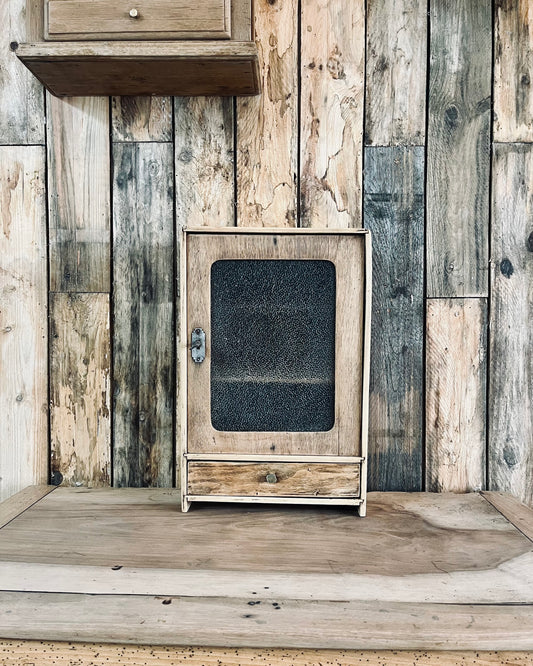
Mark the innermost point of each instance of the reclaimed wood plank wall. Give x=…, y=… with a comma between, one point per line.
x=413, y=118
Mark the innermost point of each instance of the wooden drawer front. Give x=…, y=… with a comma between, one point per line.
x=273, y=479
x=111, y=19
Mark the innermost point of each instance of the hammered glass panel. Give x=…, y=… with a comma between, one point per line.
x=273, y=345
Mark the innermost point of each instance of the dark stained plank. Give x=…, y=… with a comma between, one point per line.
x=146, y=118
x=394, y=212
x=456, y=373
x=513, y=71
x=80, y=389
x=458, y=149
x=143, y=314
x=396, y=72
x=79, y=193
x=511, y=358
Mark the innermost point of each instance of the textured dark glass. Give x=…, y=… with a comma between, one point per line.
x=273, y=345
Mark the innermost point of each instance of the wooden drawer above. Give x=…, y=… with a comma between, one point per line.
x=137, y=19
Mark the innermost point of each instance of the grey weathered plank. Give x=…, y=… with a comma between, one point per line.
x=143, y=313
x=511, y=359
x=23, y=319
x=394, y=212
x=458, y=149
x=456, y=350
x=513, y=71
x=80, y=389
x=331, y=115
x=22, y=98
x=79, y=193
x=141, y=118
x=396, y=72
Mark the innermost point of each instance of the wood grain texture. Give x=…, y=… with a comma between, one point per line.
x=331, y=119
x=520, y=515
x=204, y=161
x=22, y=100
x=80, y=389
x=141, y=118
x=513, y=71
x=46, y=653
x=143, y=313
x=79, y=194
x=396, y=53
x=511, y=361
x=267, y=126
x=394, y=213
x=18, y=503
x=458, y=148
x=23, y=317
x=456, y=348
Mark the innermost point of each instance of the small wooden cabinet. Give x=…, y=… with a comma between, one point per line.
x=143, y=47
x=274, y=385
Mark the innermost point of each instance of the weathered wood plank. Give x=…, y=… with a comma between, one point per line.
x=267, y=125
x=18, y=503
x=394, y=212
x=520, y=515
x=79, y=193
x=458, y=148
x=513, y=71
x=47, y=653
x=331, y=125
x=455, y=394
x=204, y=161
x=141, y=118
x=511, y=360
x=80, y=390
x=22, y=98
x=396, y=72
x=23, y=319
x=143, y=313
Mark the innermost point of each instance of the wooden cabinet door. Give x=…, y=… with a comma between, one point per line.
x=283, y=320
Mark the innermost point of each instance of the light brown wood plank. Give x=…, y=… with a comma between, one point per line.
x=145, y=118
x=23, y=319
x=267, y=126
x=80, y=389
x=455, y=394
x=520, y=515
x=27, y=653
x=22, y=99
x=331, y=126
x=458, y=148
x=511, y=360
x=513, y=71
x=396, y=72
x=18, y=503
x=79, y=194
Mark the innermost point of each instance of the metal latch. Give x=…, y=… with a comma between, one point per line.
x=198, y=345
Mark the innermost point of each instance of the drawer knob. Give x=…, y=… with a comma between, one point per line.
x=271, y=478
x=134, y=13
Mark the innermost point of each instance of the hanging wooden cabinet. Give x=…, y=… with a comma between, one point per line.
x=274, y=386
x=150, y=47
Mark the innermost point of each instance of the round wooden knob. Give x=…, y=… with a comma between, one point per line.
x=134, y=13
x=271, y=478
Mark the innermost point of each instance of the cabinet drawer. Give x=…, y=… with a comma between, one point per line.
x=138, y=19
x=268, y=479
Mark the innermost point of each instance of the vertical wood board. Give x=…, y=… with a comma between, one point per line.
x=267, y=125
x=331, y=120
x=141, y=118
x=21, y=100
x=394, y=212
x=79, y=193
x=143, y=314
x=455, y=394
x=458, y=149
x=511, y=357
x=513, y=71
x=23, y=317
x=396, y=53
x=80, y=419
